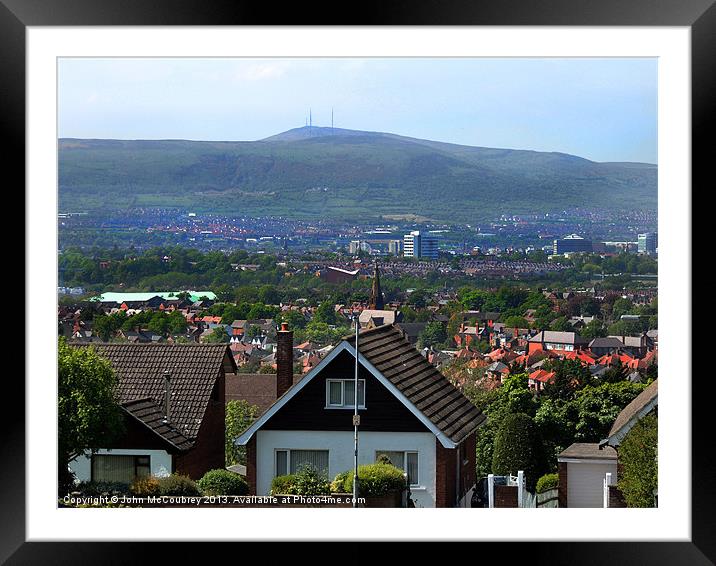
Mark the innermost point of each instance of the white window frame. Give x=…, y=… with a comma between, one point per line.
x=344, y=404
x=288, y=458
x=405, y=462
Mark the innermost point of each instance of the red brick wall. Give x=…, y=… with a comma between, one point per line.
x=506, y=496
x=468, y=474
x=208, y=451
x=251, y=465
x=445, y=462
x=562, y=472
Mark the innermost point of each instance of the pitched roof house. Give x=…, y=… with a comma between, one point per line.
x=408, y=411
x=174, y=420
x=554, y=340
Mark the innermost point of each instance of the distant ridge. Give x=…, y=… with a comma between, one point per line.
x=334, y=172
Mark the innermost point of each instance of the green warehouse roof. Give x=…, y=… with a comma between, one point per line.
x=122, y=297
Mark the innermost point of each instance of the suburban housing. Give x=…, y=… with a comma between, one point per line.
x=172, y=396
x=408, y=411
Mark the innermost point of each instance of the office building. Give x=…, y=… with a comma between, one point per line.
x=570, y=244
x=417, y=244
x=647, y=243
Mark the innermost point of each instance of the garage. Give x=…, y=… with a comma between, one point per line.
x=583, y=468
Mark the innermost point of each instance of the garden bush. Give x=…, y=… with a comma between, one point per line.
x=376, y=479
x=176, y=484
x=307, y=481
x=547, y=482
x=145, y=486
x=338, y=485
x=223, y=482
x=283, y=484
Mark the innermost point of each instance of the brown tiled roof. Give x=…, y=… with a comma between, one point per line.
x=589, y=451
x=194, y=369
x=256, y=388
x=150, y=414
x=424, y=386
x=633, y=408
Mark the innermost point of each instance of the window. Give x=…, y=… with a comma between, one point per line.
x=291, y=461
x=406, y=461
x=340, y=393
x=119, y=469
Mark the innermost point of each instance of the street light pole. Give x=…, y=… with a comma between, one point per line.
x=356, y=421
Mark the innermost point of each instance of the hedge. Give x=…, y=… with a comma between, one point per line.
x=222, y=482
x=518, y=447
x=306, y=481
x=374, y=480
x=547, y=482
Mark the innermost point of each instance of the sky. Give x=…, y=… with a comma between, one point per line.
x=600, y=109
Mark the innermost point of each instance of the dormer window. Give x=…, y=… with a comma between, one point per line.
x=340, y=393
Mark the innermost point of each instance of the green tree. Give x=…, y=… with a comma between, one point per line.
x=638, y=455
x=176, y=323
x=224, y=293
x=594, y=329
x=294, y=319
x=88, y=415
x=518, y=446
x=217, y=335
x=516, y=322
x=561, y=324
x=625, y=328
x=239, y=416
x=433, y=334
x=326, y=313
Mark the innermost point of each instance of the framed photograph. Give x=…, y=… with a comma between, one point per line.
x=586, y=125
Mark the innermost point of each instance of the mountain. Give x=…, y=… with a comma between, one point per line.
x=345, y=174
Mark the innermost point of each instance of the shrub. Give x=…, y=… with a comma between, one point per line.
x=518, y=447
x=307, y=481
x=547, y=482
x=310, y=482
x=376, y=479
x=145, y=486
x=338, y=485
x=223, y=482
x=176, y=484
x=283, y=484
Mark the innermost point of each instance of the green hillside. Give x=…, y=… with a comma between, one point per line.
x=346, y=174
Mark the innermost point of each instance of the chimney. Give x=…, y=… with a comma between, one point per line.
x=284, y=360
x=167, y=395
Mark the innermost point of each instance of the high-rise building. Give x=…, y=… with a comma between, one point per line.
x=417, y=244
x=570, y=244
x=647, y=243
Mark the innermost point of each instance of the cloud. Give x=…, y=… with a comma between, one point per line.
x=260, y=71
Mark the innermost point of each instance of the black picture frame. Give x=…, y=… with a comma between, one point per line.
x=699, y=15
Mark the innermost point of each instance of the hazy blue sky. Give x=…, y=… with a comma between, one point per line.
x=601, y=109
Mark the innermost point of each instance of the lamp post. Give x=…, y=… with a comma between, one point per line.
x=356, y=422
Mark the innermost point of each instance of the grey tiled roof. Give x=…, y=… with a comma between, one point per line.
x=194, y=369
x=424, y=386
x=589, y=451
x=150, y=414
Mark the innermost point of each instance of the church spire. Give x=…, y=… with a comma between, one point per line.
x=376, y=295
